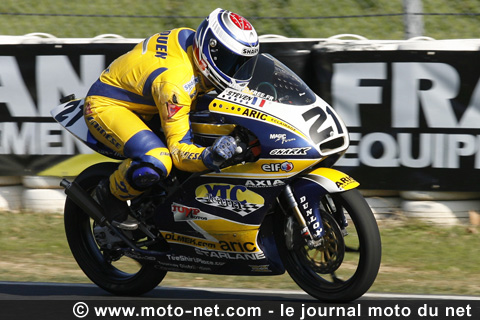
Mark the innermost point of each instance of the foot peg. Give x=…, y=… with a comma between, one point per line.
x=129, y=224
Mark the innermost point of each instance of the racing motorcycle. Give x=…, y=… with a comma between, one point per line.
x=276, y=206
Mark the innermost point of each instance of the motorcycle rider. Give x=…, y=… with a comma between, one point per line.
x=164, y=75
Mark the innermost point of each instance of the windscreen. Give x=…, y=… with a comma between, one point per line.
x=274, y=81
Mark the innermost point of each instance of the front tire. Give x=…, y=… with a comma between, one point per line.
x=344, y=267
x=119, y=275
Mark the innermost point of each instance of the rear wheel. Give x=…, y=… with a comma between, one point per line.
x=98, y=251
x=345, y=265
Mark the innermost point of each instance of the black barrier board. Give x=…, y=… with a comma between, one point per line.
x=413, y=116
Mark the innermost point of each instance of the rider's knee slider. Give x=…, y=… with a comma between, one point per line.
x=143, y=176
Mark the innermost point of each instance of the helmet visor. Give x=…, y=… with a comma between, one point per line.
x=230, y=63
x=245, y=72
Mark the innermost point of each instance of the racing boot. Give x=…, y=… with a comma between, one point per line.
x=116, y=211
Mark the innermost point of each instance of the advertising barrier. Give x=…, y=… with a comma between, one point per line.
x=412, y=107
x=413, y=111
x=34, y=74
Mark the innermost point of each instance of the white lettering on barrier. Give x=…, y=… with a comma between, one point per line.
x=54, y=77
x=436, y=150
x=13, y=90
x=348, y=95
x=441, y=83
x=407, y=95
x=38, y=138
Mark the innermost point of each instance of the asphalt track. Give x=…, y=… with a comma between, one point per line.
x=63, y=301
x=66, y=291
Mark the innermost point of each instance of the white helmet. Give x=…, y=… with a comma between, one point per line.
x=224, y=42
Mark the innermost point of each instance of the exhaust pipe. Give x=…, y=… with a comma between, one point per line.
x=84, y=201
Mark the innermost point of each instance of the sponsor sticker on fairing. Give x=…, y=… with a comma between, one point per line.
x=184, y=213
x=230, y=197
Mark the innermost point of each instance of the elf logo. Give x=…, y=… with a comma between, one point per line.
x=276, y=167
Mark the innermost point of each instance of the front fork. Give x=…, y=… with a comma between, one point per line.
x=310, y=223
x=304, y=195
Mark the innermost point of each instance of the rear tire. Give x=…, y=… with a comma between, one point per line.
x=344, y=268
x=115, y=277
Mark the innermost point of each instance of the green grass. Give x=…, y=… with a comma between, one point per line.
x=82, y=18
x=417, y=258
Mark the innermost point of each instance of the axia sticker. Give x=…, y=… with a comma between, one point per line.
x=264, y=183
x=231, y=197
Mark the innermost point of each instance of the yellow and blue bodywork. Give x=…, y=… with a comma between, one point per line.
x=220, y=222
x=221, y=218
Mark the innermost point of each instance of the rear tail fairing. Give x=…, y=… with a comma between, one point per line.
x=70, y=116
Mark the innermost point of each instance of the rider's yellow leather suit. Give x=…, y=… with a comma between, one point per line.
x=157, y=76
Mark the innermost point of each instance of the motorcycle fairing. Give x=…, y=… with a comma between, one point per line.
x=310, y=189
x=70, y=116
x=317, y=124
x=290, y=154
x=235, y=239
x=220, y=242
x=226, y=105
x=232, y=242
x=311, y=134
x=220, y=224
x=331, y=180
x=211, y=130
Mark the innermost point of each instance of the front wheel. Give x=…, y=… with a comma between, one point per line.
x=106, y=267
x=346, y=264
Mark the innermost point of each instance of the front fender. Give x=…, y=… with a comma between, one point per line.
x=331, y=180
x=309, y=190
